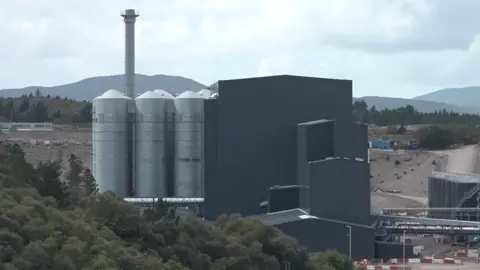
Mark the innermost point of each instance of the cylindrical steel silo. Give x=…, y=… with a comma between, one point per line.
x=189, y=145
x=169, y=140
x=111, y=165
x=150, y=171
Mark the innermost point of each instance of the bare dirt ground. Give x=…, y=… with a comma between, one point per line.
x=402, y=171
x=407, y=172
x=54, y=145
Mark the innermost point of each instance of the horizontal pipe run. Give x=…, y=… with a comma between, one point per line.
x=165, y=200
x=399, y=210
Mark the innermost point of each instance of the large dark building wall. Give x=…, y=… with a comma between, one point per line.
x=389, y=250
x=315, y=141
x=256, y=125
x=360, y=141
x=210, y=150
x=340, y=190
x=302, y=166
x=320, y=235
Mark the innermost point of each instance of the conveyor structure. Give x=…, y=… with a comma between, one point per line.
x=424, y=221
x=431, y=229
x=388, y=211
x=464, y=213
x=169, y=201
x=390, y=225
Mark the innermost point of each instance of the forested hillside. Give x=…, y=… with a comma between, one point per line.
x=36, y=107
x=46, y=224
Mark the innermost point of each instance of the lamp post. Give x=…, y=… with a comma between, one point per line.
x=404, y=241
x=349, y=241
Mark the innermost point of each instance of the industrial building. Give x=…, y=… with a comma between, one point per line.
x=252, y=147
x=453, y=190
x=280, y=149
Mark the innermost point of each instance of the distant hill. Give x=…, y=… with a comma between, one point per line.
x=89, y=88
x=465, y=97
x=421, y=105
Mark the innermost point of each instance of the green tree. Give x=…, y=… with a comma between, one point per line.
x=49, y=183
x=105, y=232
x=74, y=179
x=24, y=106
x=89, y=182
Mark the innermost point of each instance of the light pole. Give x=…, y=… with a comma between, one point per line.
x=349, y=241
x=404, y=241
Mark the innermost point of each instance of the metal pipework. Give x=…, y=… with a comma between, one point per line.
x=129, y=17
x=415, y=210
x=165, y=200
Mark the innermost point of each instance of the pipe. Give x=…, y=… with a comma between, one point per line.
x=165, y=200
x=438, y=209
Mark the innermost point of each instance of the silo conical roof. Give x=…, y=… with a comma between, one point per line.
x=188, y=94
x=164, y=93
x=150, y=95
x=112, y=94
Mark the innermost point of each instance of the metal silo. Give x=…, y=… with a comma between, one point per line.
x=189, y=145
x=169, y=139
x=111, y=165
x=150, y=170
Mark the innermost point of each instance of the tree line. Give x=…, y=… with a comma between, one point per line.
x=47, y=223
x=37, y=108
x=444, y=129
x=408, y=115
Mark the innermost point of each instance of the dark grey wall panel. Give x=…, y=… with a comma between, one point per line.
x=210, y=147
x=320, y=235
x=389, y=250
x=340, y=189
x=360, y=141
x=303, y=178
x=257, y=121
x=320, y=139
x=281, y=198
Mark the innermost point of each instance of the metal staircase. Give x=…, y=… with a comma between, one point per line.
x=469, y=195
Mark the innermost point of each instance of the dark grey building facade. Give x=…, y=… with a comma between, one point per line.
x=318, y=233
x=290, y=131
x=389, y=250
x=250, y=135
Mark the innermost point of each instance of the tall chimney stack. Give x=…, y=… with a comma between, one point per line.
x=129, y=17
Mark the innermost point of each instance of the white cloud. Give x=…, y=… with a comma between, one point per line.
x=393, y=48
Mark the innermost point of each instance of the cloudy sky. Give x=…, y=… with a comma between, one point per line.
x=400, y=48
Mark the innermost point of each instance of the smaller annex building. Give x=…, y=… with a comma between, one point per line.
x=316, y=233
